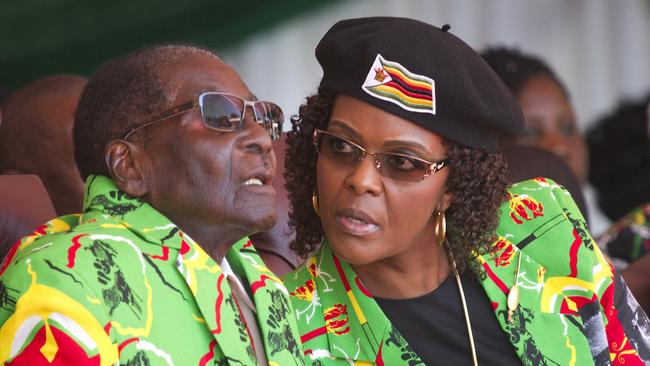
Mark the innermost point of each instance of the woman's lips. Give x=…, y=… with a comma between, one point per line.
x=356, y=222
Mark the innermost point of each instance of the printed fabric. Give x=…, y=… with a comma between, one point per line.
x=122, y=284
x=574, y=309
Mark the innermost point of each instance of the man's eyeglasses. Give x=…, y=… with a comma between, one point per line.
x=225, y=112
x=392, y=165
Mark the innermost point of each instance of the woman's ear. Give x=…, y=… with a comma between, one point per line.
x=445, y=201
x=127, y=164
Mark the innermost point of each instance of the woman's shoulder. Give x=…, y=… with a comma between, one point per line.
x=541, y=219
x=536, y=198
x=300, y=275
x=539, y=184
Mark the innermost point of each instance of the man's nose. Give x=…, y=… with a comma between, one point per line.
x=258, y=139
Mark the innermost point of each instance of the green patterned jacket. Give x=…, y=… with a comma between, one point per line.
x=123, y=283
x=573, y=308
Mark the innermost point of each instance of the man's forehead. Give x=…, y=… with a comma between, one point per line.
x=198, y=74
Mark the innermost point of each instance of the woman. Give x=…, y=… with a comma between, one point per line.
x=550, y=121
x=395, y=187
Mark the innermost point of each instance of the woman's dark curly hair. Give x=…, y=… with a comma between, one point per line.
x=477, y=180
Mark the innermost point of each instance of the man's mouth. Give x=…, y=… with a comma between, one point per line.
x=254, y=182
x=259, y=178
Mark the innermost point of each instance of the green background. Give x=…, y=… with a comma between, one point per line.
x=41, y=37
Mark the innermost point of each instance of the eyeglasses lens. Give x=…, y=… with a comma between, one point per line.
x=270, y=116
x=391, y=165
x=224, y=113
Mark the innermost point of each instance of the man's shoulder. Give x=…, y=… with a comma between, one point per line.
x=63, y=253
x=63, y=236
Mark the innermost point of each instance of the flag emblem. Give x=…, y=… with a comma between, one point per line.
x=392, y=82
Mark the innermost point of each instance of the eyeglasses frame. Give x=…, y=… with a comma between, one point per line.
x=274, y=130
x=433, y=166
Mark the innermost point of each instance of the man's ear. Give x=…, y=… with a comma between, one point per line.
x=127, y=164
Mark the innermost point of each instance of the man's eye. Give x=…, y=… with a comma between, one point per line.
x=404, y=163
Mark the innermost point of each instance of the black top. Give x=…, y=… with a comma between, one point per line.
x=434, y=325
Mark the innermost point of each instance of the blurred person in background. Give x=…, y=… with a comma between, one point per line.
x=551, y=122
x=620, y=173
x=36, y=137
x=528, y=162
x=3, y=93
x=620, y=144
x=620, y=150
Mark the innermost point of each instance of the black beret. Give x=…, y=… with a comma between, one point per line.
x=421, y=73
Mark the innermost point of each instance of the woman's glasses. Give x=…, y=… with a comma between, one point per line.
x=225, y=112
x=392, y=165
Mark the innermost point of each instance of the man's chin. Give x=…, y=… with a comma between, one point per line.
x=262, y=222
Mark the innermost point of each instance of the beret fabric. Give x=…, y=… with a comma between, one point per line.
x=421, y=73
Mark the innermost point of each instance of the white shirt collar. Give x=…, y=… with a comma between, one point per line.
x=234, y=279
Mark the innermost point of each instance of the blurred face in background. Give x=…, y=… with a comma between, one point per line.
x=36, y=138
x=551, y=123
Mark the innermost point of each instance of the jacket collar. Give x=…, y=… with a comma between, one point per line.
x=107, y=205
x=103, y=198
x=110, y=207
x=354, y=322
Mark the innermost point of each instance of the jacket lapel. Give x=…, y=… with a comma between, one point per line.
x=214, y=298
x=207, y=283
x=275, y=319
x=555, y=294
x=354, y=323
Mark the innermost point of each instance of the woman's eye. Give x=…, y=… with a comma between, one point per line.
x=568, y=128
x=341, y=146
x=529, y=134
x=404, y=163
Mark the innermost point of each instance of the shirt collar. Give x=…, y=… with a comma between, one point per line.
x=235, y=281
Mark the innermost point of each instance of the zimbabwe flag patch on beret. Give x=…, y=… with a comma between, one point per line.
x=392, y=82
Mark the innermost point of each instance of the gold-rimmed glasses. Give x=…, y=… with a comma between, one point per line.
x=393, y=165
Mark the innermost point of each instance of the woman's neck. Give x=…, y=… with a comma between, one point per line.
x=408, y=276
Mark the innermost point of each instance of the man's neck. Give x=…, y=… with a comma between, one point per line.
x=215, y=240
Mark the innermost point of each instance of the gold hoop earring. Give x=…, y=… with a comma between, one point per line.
x=314, y=203
x=440, y=227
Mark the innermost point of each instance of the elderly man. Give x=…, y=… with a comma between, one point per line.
x=36, y=137
x=178, y=164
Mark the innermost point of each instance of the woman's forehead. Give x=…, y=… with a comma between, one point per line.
x=372, y=126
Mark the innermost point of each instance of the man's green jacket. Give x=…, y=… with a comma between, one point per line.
x=123, y=283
